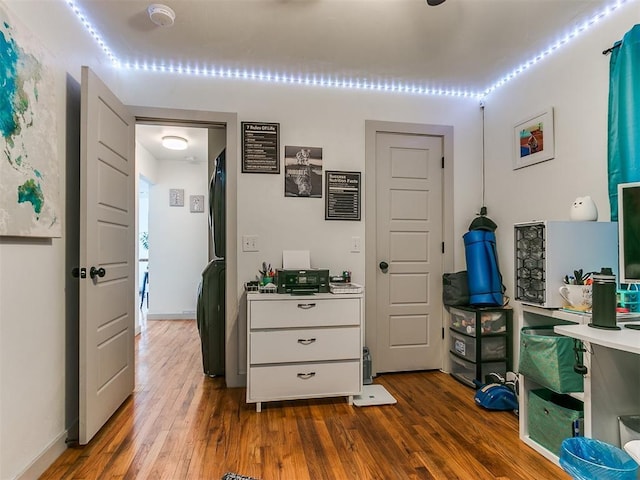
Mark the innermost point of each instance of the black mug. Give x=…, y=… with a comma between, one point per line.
x=603, y=309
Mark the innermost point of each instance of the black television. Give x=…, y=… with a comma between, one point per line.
x=629, y=232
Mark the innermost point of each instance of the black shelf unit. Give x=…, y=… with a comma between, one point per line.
x=480, y=342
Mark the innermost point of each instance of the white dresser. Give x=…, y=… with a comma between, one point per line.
x=303, y=346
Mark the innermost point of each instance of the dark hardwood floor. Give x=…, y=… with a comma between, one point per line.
x=180, y=424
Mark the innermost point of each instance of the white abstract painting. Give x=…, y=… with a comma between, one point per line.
x=29, y=168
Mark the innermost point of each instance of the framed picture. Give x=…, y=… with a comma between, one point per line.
x=176, y=197
x=342, y=195
x=260, y=147
x=302, y=171
x=196, y=203
x=533, y=139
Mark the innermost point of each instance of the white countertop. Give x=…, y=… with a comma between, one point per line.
x=625, y=339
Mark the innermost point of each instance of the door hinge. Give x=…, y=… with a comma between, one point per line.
x=442, y=247
x=442, y=162
x=443, y=333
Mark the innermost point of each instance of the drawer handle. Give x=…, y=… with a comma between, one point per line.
x=306, y=376
x=306, y=341
x=306, y=306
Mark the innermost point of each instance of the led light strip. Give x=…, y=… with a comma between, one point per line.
x=330, y=82
x=92, y=31
x=554, y=47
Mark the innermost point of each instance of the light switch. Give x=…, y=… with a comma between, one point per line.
x=355, y=244
x=250, y=243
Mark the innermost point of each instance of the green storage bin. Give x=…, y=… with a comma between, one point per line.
x=552, y=418
x=548, y=358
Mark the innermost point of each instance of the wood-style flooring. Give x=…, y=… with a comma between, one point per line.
x=181, y=424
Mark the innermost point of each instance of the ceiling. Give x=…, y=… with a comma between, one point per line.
x=150, y=137
x=460, y=45
x=464, y=45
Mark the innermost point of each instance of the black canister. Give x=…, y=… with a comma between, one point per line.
x=603, y=309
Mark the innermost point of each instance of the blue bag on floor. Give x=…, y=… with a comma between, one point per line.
x=495, y=396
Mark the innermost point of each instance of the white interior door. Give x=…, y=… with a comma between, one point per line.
x=409, y=205
x=107, y=252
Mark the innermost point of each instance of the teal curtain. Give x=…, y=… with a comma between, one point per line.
x=624, y=115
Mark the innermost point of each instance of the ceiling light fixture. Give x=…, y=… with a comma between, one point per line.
x=174, y=143
x=161, y=15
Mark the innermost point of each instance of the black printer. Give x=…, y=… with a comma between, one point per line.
x=294, y=281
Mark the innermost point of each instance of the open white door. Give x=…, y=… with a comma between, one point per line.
x=107, y=255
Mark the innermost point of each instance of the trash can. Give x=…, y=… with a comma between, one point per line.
x=589, y=459
x=629, y=428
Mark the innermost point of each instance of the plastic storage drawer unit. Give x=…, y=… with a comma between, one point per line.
x=489, y=320
x=467, y=372
x=491, y=348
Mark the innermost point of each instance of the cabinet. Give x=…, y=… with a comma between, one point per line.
x=480, y=342
x=532, y=316
x=303, y=346
x=612, y=382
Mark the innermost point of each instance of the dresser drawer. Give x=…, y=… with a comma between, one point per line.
x=304, y=345
x=304, y=312
x=293, y=381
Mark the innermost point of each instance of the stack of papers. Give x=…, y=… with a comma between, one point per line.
x=345, y=288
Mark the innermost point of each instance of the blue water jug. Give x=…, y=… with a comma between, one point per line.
x=483, y=274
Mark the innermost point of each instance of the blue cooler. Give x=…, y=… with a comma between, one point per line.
x=483, y=274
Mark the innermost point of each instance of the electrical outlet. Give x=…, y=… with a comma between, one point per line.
x=355, y=244
x=250, y=243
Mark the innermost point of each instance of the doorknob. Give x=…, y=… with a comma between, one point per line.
x=384, y=265
x=97, y=272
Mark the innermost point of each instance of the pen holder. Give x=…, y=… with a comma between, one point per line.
x=267, y=280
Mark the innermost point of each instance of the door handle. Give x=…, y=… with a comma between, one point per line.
x=383, y=265
x=97, y=272
x=306, y=306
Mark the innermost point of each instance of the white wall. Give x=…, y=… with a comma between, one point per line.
x=573, y=81
x=147, y=169
x=178, y=240
x=32, y=273
x=331, y=119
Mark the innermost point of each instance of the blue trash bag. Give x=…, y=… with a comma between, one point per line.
x=589, y=459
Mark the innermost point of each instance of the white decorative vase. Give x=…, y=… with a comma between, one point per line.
x=584, y=210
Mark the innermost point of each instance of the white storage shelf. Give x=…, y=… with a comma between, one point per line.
x=612, y=383
x=304, y=346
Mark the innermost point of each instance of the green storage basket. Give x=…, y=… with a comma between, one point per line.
x=552, y=418
x=548, y=358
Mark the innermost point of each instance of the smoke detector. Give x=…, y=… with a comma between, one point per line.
x=161, y=15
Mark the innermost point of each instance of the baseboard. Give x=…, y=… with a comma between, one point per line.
x=45, y=459
x=171, y=316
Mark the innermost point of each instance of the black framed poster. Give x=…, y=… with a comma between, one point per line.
x=260, y=147
x=302, y=171
x=342, y=198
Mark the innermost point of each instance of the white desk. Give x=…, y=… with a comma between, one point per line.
x=612, y=383
x=625, y=339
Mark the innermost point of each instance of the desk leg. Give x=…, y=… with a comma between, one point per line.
x=259, y=407
x=350, y=399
